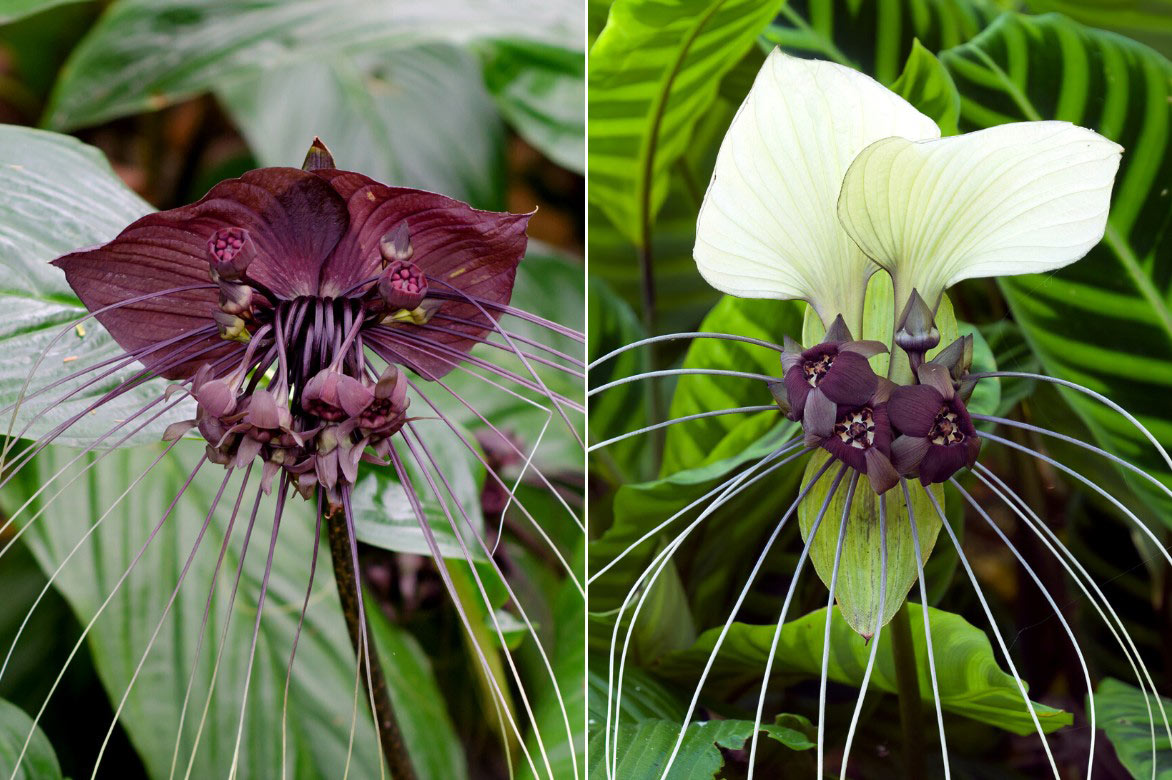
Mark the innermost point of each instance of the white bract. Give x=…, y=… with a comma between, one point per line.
x=824, y=170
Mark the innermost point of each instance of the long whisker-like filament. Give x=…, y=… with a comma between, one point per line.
x=484, y=594
x=520, y=314
x=732, y=482
x=789, y=596
x=687, y=418
x=515, y=337
x=445, y=575
x=677, y=336
x=1087, y=391
x=497, y=345
x=745, y=592
x=911, y=518
x=282, y=492
x=1053, y=605
x=110, y=597
x=846, y=512
x=166, y=611
x=875, y=637
x=679, y=372
x=223, y=644
x=1078, y=443
x=297, y=633
x=1086, y=584
x=1066, y=469
x=996, y=632
x=731, y=488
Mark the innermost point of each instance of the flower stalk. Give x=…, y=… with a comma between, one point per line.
x=908, y=684
x=347, y=578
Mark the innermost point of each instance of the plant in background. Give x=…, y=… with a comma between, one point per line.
x=830, y=189
x=385, y=353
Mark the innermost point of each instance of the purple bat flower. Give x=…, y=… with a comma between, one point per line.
x=859, y=435
x=937, y=437
x=835, y=369
x=308, y=269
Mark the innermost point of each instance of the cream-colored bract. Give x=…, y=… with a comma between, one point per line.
x=768, y=227
x=1012, y=199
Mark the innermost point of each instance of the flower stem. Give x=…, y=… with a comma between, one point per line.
x=908, y=684
x=389, y=733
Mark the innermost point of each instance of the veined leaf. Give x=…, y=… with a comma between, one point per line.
x=541, y=91
x=1147, y=21
x=1105, y=321
x=927, y=85
x=1124, y=717
x=146, y=54
x=971, y=682
x=654, y=72
x=56, y=195
x=39, y=762
x=399, y=116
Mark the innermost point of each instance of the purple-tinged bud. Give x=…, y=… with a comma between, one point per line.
x=420, y=315
x=402, y=286
x=387, y=412
x=318, y=157
x=395, y=246
x=216, y=397
x=334, y=396
x=236, y=299
x=917, y=331
x=232, y=328
x=230, y=251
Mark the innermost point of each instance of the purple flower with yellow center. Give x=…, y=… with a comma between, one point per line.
x=937, y=437
x=836, y=370
x=270, y=291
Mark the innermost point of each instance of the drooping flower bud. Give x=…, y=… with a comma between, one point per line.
x=402, y=285
x=917, y=332
x=236, y=299
x=387, y=413
x=232, y=327
x=334, y=396
x=395, y=246
x=230, y=251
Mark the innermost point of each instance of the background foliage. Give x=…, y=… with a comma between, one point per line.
x=145, y=105
x=659, y=105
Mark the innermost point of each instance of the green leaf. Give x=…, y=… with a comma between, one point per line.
x=383, y=515
x=1124, y=718
x=541, y=91
x=971, y=682
x=926, y=84
x=56, y=195
x=146, y=54
x=1147, y=21
x=11, y=10
x=428, y=731
x=879, y=36
x=624, y=408
x=399, y=116
x=654, y=72
x=323, y=679
x=1105, y=321
x=861, y=567
x=700, y=442
x=39, y=762
x=644, y=747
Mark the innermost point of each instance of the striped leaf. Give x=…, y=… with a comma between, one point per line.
x=877, y=37
x=1148, y=21
x=654, y=72
x=1106, y=321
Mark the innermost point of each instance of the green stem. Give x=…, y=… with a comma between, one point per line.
x=394, y=748
x=907, y=681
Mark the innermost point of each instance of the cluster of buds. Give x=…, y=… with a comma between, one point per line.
x=869, y=423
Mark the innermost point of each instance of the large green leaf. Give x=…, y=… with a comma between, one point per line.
x=1106, y=321
x=654, y=72
x=57, y=194
x=1148, y=21
x=645, y=746
x=1124, y=717
x=400, y=116
x=700, y=442
x=321, y=691
x=145, y=54
x=971, y=682
x=877, y=37
x=11, y=10
x=541, y=91
x=39, y=762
